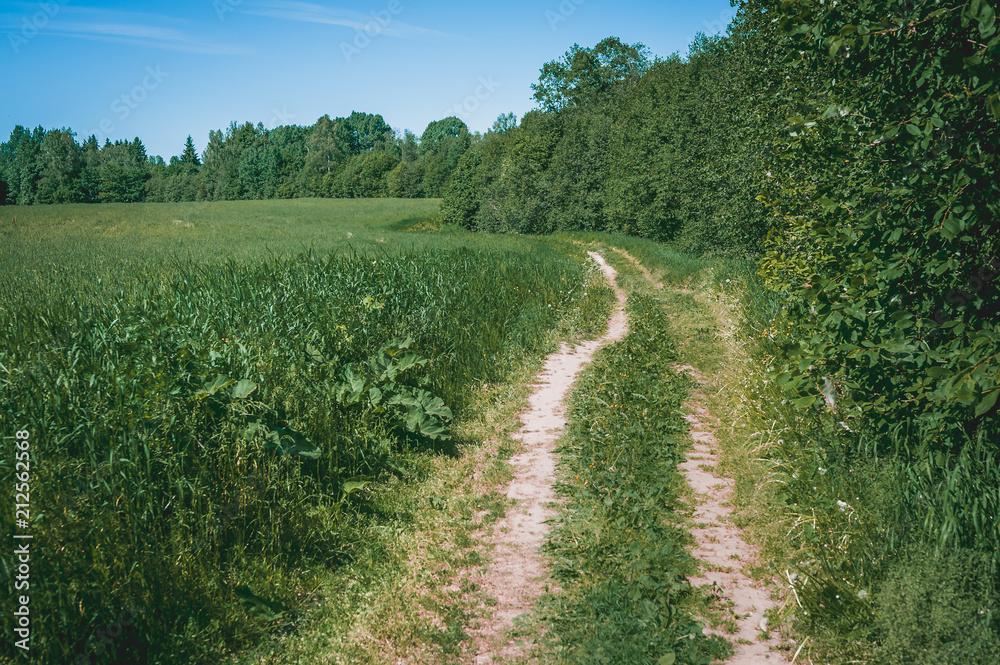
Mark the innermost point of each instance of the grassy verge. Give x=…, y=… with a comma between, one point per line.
x=412, y=594
x=887, y=549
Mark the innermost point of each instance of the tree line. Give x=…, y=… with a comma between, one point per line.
x=852, y=150
x=664, y=148
x=359, y=156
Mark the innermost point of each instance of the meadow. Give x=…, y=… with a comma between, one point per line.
x=247, y=419
x=210, y=388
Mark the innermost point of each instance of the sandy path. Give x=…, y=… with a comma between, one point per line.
x=720, y=544
x=517, y=576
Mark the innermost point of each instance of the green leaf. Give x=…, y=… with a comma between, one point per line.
x=804, y=402
x=951, y=226
x=243, y=389
x=315, y=354
x=215, y=385
x=356, y=484
x=667, y=659
x=289, y=442
x=988, y=402
x=994, y=104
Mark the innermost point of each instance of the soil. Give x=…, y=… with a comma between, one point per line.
x=723, y=552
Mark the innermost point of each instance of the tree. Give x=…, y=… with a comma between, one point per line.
x=221, y=178
x=291, y=144
x=19, y=163
x=59, y=165
x=329, y=144
x=504, y=123
x=369, y=131
x=190, y=155
x=441, y=146
x=409, y=149
x=90, y=170
x=363, y=176
x=436, y=135
x=258, y=172
x=585, y=75
x=123, y=173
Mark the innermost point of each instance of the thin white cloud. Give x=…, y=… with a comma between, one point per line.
x=138, y=34
x=305, y=12
x=135, y=29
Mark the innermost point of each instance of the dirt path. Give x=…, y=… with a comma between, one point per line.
x=719, y=543
x=517, y=575
x=721, y=547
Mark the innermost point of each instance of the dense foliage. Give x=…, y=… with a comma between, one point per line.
x=881, y=337
x=664, y=149
x=889, y=248
x=359, y=156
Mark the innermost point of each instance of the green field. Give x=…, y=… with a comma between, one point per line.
x=77, y=233
x=204, y=397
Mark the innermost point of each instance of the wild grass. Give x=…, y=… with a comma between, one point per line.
x=664, y=262
x=220, y=230
x=205, y=431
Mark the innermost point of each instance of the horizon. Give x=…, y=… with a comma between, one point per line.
x=119, y=73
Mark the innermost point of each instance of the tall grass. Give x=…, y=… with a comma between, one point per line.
x=199, y=427
x=881, y=529
x=662, y=260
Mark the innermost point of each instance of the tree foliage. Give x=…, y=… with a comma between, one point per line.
x=359, y=155
x=629, y=144
x=887, y=236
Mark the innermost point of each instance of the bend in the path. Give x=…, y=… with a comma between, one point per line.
x=517, y=575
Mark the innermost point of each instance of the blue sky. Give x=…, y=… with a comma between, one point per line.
x=161, y=71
